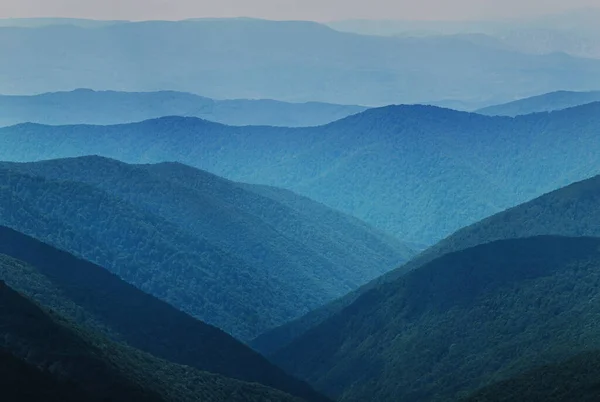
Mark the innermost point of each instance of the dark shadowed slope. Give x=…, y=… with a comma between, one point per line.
x=84, y=106
x=46, y=342
x=458, y=323
x=418, y=172
x=21, y=382
x=293, y=61
x=571, y=211
x=93, y=297
x=108, y=370
x=543, y=103
x=229, y=256
x=577, y=379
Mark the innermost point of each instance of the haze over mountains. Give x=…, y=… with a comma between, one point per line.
x=456, y=168
x=574, y=32
x=84, y=106
x=542, y=103
x=288, y=61
x=215, y=220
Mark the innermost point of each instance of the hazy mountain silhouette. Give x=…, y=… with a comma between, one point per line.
x=84, y=106
x=46, y=22
x=542, y=103
x=289, y=61
x=573, y=32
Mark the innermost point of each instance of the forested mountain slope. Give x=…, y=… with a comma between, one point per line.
x=460, y=322
x=107, y=370
x=569, y=211
x=265, y=225
x=543, y=103
x=228, y=256
x=576, y=379
x=573, y=210
x=94, y=298
x=85, y=106
x=418, y=172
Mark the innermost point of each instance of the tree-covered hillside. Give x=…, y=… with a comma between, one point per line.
x=106, y=370
x=576, y=379
x=462, y=321
x=84, y=106
x=231, y=257
x=417, y=172
x=569, y=211
x=94, y=298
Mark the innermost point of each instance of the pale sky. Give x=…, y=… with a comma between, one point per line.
x=318, y=10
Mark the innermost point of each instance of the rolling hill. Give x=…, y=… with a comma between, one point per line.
x=417, y=172
x=94, y=298
x=219, y=251
x=293, y=61
x=543, y=103
x=89, y=363
x=460, y=322
x=569, y=211
x=84, y=106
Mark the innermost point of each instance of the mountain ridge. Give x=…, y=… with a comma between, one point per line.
x=86, y=106
x=549, y=102
x=569, y=211
x=293, y=62
x=469, y=164
x=464, y=320
x=219, y=251
x=93, y=297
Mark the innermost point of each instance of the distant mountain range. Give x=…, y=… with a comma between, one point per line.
x=432, y=170
x=573, y=32
x=93, y=298
x=542, y=103
x=46, y=22
x=458, y=323
x=84, y=106
x=291, y=61
x=243, y=258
